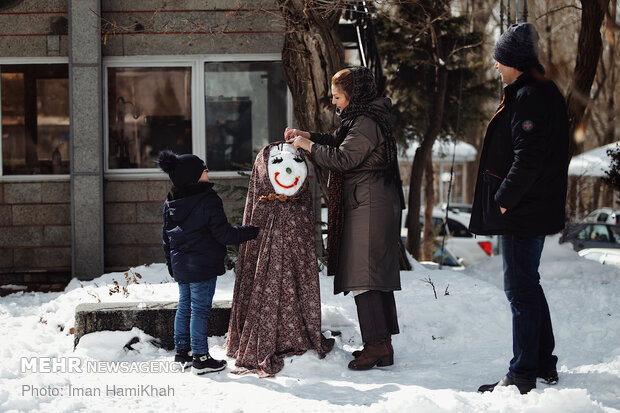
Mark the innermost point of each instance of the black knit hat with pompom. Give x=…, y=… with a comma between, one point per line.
x=518, y=46
x=182, y=169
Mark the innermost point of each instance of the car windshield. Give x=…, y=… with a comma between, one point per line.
x=595, y=232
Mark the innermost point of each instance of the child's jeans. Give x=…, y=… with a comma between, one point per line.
x=190, y=322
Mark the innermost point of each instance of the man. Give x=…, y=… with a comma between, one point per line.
x=521, y=195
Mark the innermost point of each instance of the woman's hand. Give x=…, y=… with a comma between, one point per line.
x=290, y=134
x=303, y=143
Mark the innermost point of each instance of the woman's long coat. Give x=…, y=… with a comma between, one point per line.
x=368, y=257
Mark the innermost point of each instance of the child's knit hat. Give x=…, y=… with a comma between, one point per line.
x=182, y=169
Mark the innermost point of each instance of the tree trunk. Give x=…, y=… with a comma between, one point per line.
x=573, y=182
x=596, y=191
x=312, y=53
x=610, y=132
x=423, y=153
x=428, y=236
x=589, y=50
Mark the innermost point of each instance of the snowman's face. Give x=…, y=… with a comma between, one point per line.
x=287, y=170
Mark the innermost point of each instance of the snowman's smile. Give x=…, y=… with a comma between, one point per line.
x=286, y=186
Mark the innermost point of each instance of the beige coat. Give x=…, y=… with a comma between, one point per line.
x=368, y=258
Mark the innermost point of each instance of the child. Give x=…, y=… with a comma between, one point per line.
x=195, y=235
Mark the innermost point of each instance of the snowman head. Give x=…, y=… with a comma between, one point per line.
x=287, y=169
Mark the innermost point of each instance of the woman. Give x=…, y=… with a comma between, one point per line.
x=364, y=208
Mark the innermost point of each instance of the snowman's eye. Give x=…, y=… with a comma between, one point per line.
x=298, y=159
x=277, y=159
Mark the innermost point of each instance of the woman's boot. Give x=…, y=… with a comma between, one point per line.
x=358, y=353
x=375, y=353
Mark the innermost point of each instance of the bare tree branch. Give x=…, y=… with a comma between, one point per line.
x=557, y=9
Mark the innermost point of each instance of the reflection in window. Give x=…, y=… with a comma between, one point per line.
x=245, y=109
x=35, y=119
x=458, y=230
x=149, y=109
x=599, y=233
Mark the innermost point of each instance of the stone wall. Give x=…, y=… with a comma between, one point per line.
x=156, y=27
x=148, y=27
x=133, y=217
x=34, y=29
x=35, y=226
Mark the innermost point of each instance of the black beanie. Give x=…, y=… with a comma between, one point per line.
x=182, y=169
x=518, y=46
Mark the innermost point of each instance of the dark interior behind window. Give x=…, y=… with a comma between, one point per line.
x=35, y=119
x=149, y=110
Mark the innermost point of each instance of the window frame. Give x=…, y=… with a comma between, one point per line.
x=5, y=61
x=196, y=64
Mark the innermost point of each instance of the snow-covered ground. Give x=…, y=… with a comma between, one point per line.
x=447, y=347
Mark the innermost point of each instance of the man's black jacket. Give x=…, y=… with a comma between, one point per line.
x=524, y=162
x=196, y=232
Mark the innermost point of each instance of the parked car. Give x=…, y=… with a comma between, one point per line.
x=467, y=247
x=446, y=258
x=604, y=215
x=592, y=235
x=457, y=208
x=607, y=256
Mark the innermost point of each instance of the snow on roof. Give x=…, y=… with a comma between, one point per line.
x=442, y=152
x=592, y=163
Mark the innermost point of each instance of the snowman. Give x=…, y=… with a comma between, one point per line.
x=276, y=310
x=287, y=169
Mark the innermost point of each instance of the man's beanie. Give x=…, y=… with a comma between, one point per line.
x=182, y=169
x=518, y=46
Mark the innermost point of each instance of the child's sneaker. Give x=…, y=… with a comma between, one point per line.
x=185, y=357
x=203, y=363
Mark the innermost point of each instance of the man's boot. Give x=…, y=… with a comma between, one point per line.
x=524, y=385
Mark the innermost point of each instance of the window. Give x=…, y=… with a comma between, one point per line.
x=245, y=109
x=599, y=233
x=149, y=109
x=222, y=109
x=458, y=230
x=584, y=233
x=35, y=119
x=446, y=258
x=615, y=233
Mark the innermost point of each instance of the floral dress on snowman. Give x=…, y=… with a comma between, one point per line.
x=276, y=310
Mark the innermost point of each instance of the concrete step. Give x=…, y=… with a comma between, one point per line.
x=154, y=318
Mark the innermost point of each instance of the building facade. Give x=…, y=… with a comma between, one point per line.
x=92, y=90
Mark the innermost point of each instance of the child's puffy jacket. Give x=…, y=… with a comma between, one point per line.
x=196, y=232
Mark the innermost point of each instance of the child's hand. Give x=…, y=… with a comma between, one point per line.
x=253, y=231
